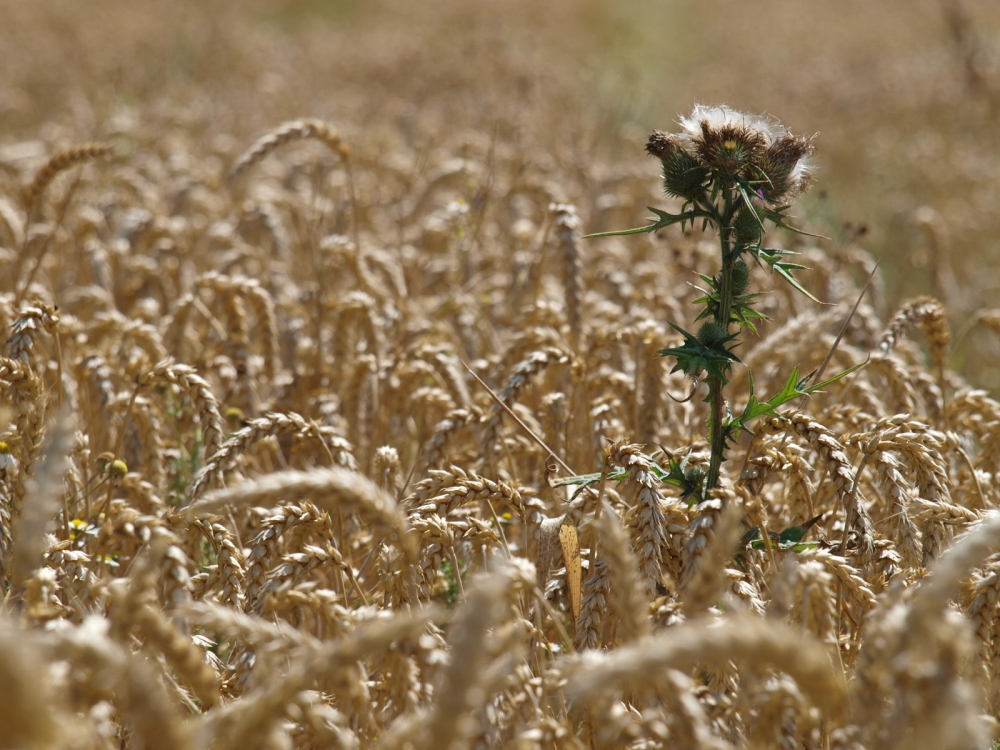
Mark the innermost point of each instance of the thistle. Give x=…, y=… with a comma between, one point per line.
x=738, y=174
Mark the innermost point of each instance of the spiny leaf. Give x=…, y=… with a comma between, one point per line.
x=777, y=216
x=689, y=481
x=749, y=204
x=794, y=546
x=664, y=220
x=794, y=388
x=693, y=357
x=772, y=257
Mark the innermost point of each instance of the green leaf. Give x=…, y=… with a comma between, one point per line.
x=794, y=546
x=622, y=232
x=785, y=271
x=745, y=315
x=791, y=535
x=693, y=357
x=772, y=257
x=755, y=408
x=663, y=220
x=750, y=536
x=795, y=534
x=813, y=388
x=777, y=216
x=794, y=388
x=615, y=475
x=584, y=479
x=689, y=481
x=749, y=204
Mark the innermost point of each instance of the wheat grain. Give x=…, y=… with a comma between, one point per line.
x=715, y=534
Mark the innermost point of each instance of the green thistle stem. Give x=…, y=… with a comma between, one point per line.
x=723, y=311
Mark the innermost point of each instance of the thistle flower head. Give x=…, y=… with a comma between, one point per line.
x=747, y=228
x=719, y=144
x=730, y=150
x=683, y=175
x=786, y=166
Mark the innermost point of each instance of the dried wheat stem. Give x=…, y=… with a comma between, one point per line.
x=464, y=680
x=932, y=318
x=591, y=623
x=236, y=725
x=27, y=705
x=467, y=489
x=180, y=651
x=521, y=376
x=27, y=393
x=149, y=711
x=894, y=486
x=982, y=612
x=31, y=524
x=649, y=378
x=445, y=432
x=230, y=566
x=30, y=320
x=954, y=565
x=231, y=289
x=116, y=327
x=264, y=547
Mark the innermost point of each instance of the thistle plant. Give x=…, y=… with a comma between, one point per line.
x=737, y=174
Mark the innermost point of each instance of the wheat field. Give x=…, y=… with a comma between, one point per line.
x=324, y=426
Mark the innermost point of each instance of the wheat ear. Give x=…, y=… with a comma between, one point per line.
x=744, y=638
x=60, y=162
x=327, y=488
x=290, y=131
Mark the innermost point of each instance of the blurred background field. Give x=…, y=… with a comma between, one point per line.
x=904, y=96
